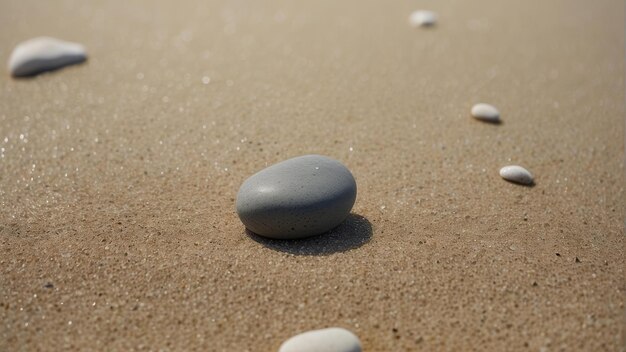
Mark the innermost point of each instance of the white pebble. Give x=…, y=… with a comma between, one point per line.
x=517, y=174
x=422, y=18
x=43, y=54
x=324, y=340
x=485, y=112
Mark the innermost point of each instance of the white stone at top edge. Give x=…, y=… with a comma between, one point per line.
x=324, y=340
x=422, y=18
x=42, y=54
x=485, y=112
x=517, y=174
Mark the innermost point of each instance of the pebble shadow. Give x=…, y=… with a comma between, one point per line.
x=50, y=70
x=354, y=232
x=493, y=123
x=528, y=185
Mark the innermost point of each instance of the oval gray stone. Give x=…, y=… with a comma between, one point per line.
x=485, y=112
x=422, y=18
x=324, y=340
x=517, y=174
x=297, y=198
x=43, y=54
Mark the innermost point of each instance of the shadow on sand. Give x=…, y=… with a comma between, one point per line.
x=49, y=69
x=529, y=185
x=354, y=232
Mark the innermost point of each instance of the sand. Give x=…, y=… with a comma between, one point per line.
x=118, y=228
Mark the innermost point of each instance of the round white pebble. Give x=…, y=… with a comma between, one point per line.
x=422, y=18
x=324, y=340
x=517, y=174
x=44, y=54
x=485, y=112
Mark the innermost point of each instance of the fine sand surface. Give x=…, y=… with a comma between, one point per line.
x=118, y=177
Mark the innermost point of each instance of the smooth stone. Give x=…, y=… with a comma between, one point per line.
x=44, y=54
x=422, y=18
x=486, y=112
x=324, y=340
x=517, y=174
x=297, y=198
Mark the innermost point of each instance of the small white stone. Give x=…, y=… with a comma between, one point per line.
x=517, y=174
x=43, y=54
x=422, y=18
x=485, y=112
x=324, y=340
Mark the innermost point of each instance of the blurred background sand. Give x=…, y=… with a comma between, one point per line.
x=118, y=176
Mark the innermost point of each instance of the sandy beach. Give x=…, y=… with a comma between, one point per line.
x=118, y=176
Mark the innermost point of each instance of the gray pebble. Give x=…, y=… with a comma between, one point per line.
x=43, y=54
x=485, y=112
x=517, y=174
x=297, y=198
x=324, y=340
x=422, y=18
